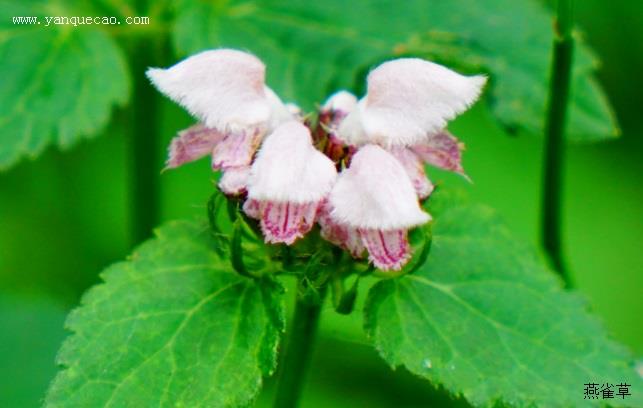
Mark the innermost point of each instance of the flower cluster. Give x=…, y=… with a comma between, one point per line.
x=359, y=174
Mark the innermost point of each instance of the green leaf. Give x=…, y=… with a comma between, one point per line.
x=173, y=326
x=485, y=319
x=59, y=82
x=314, y=48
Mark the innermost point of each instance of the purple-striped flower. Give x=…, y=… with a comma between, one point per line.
x=289, y=178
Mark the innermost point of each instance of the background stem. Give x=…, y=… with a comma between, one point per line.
x=555, y=136
x=144, y=139
x=298, y=351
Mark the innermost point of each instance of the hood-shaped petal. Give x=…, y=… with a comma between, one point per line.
x=234, y=180
x=223, y=88
x=289, y=169
x=279, y=111
x=407, y=99
x=341, y=101
x=376, y=193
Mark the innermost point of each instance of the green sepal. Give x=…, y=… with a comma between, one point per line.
x=344, y=301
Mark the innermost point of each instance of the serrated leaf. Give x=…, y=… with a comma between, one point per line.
x=173, y=326
x=485, y=319
x=314, y=48
x=59, y=82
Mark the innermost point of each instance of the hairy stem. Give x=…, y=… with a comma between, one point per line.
x=555, y=136
x=298, y=351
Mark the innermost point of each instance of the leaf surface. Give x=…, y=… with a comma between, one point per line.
x=315, y=48
x=172, y=326
x=59, y=82
x=485, y=319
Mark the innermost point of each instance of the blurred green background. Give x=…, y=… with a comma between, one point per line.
x=64, y=217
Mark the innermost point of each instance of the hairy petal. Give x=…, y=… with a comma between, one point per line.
x=289, y=169
x=295, y=111
x=236, y=149
x=351, y=128
x=192, y=144
x=415, y=170
x=341, y=235
x=442, y=150
x=279, y=111
x=375, y=192
x=252, y=208
x=406, y=99
x=331, y=115
x=234, y=180
x=223, y=88
x=388, y=250
x=284, y=222
x=340, y=103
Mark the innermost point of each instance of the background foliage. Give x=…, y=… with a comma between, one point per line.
x=64, y=216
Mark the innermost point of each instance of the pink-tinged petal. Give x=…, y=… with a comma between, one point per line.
x=234, y=180
x=340, y=104
x=442, y=150
x=375, y=192
x=406, y=99
x=236, y=149
x=333, y=112
x=388, y=250
x=341, y=235
x=309, y=212
x=415, y=170
x=280, y=112
x=288, y=168
x=252, y=208
x=284, y=222
x=192, y=144
x=223, y=88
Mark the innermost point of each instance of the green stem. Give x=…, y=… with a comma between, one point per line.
x=555, y=136
x=144, y=140
x=145, y=137
x=298, y=351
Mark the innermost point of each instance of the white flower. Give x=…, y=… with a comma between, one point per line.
x=340, y=103
x=408, y=99
x=375, y=199
x=287, y=182
x=192, y=144
x=339, y=234
x=332, y=113
x=405, y=111
x=442, y=150
x=381, y=142
x=225, y=90
x=234, y=180
x=414, y=168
